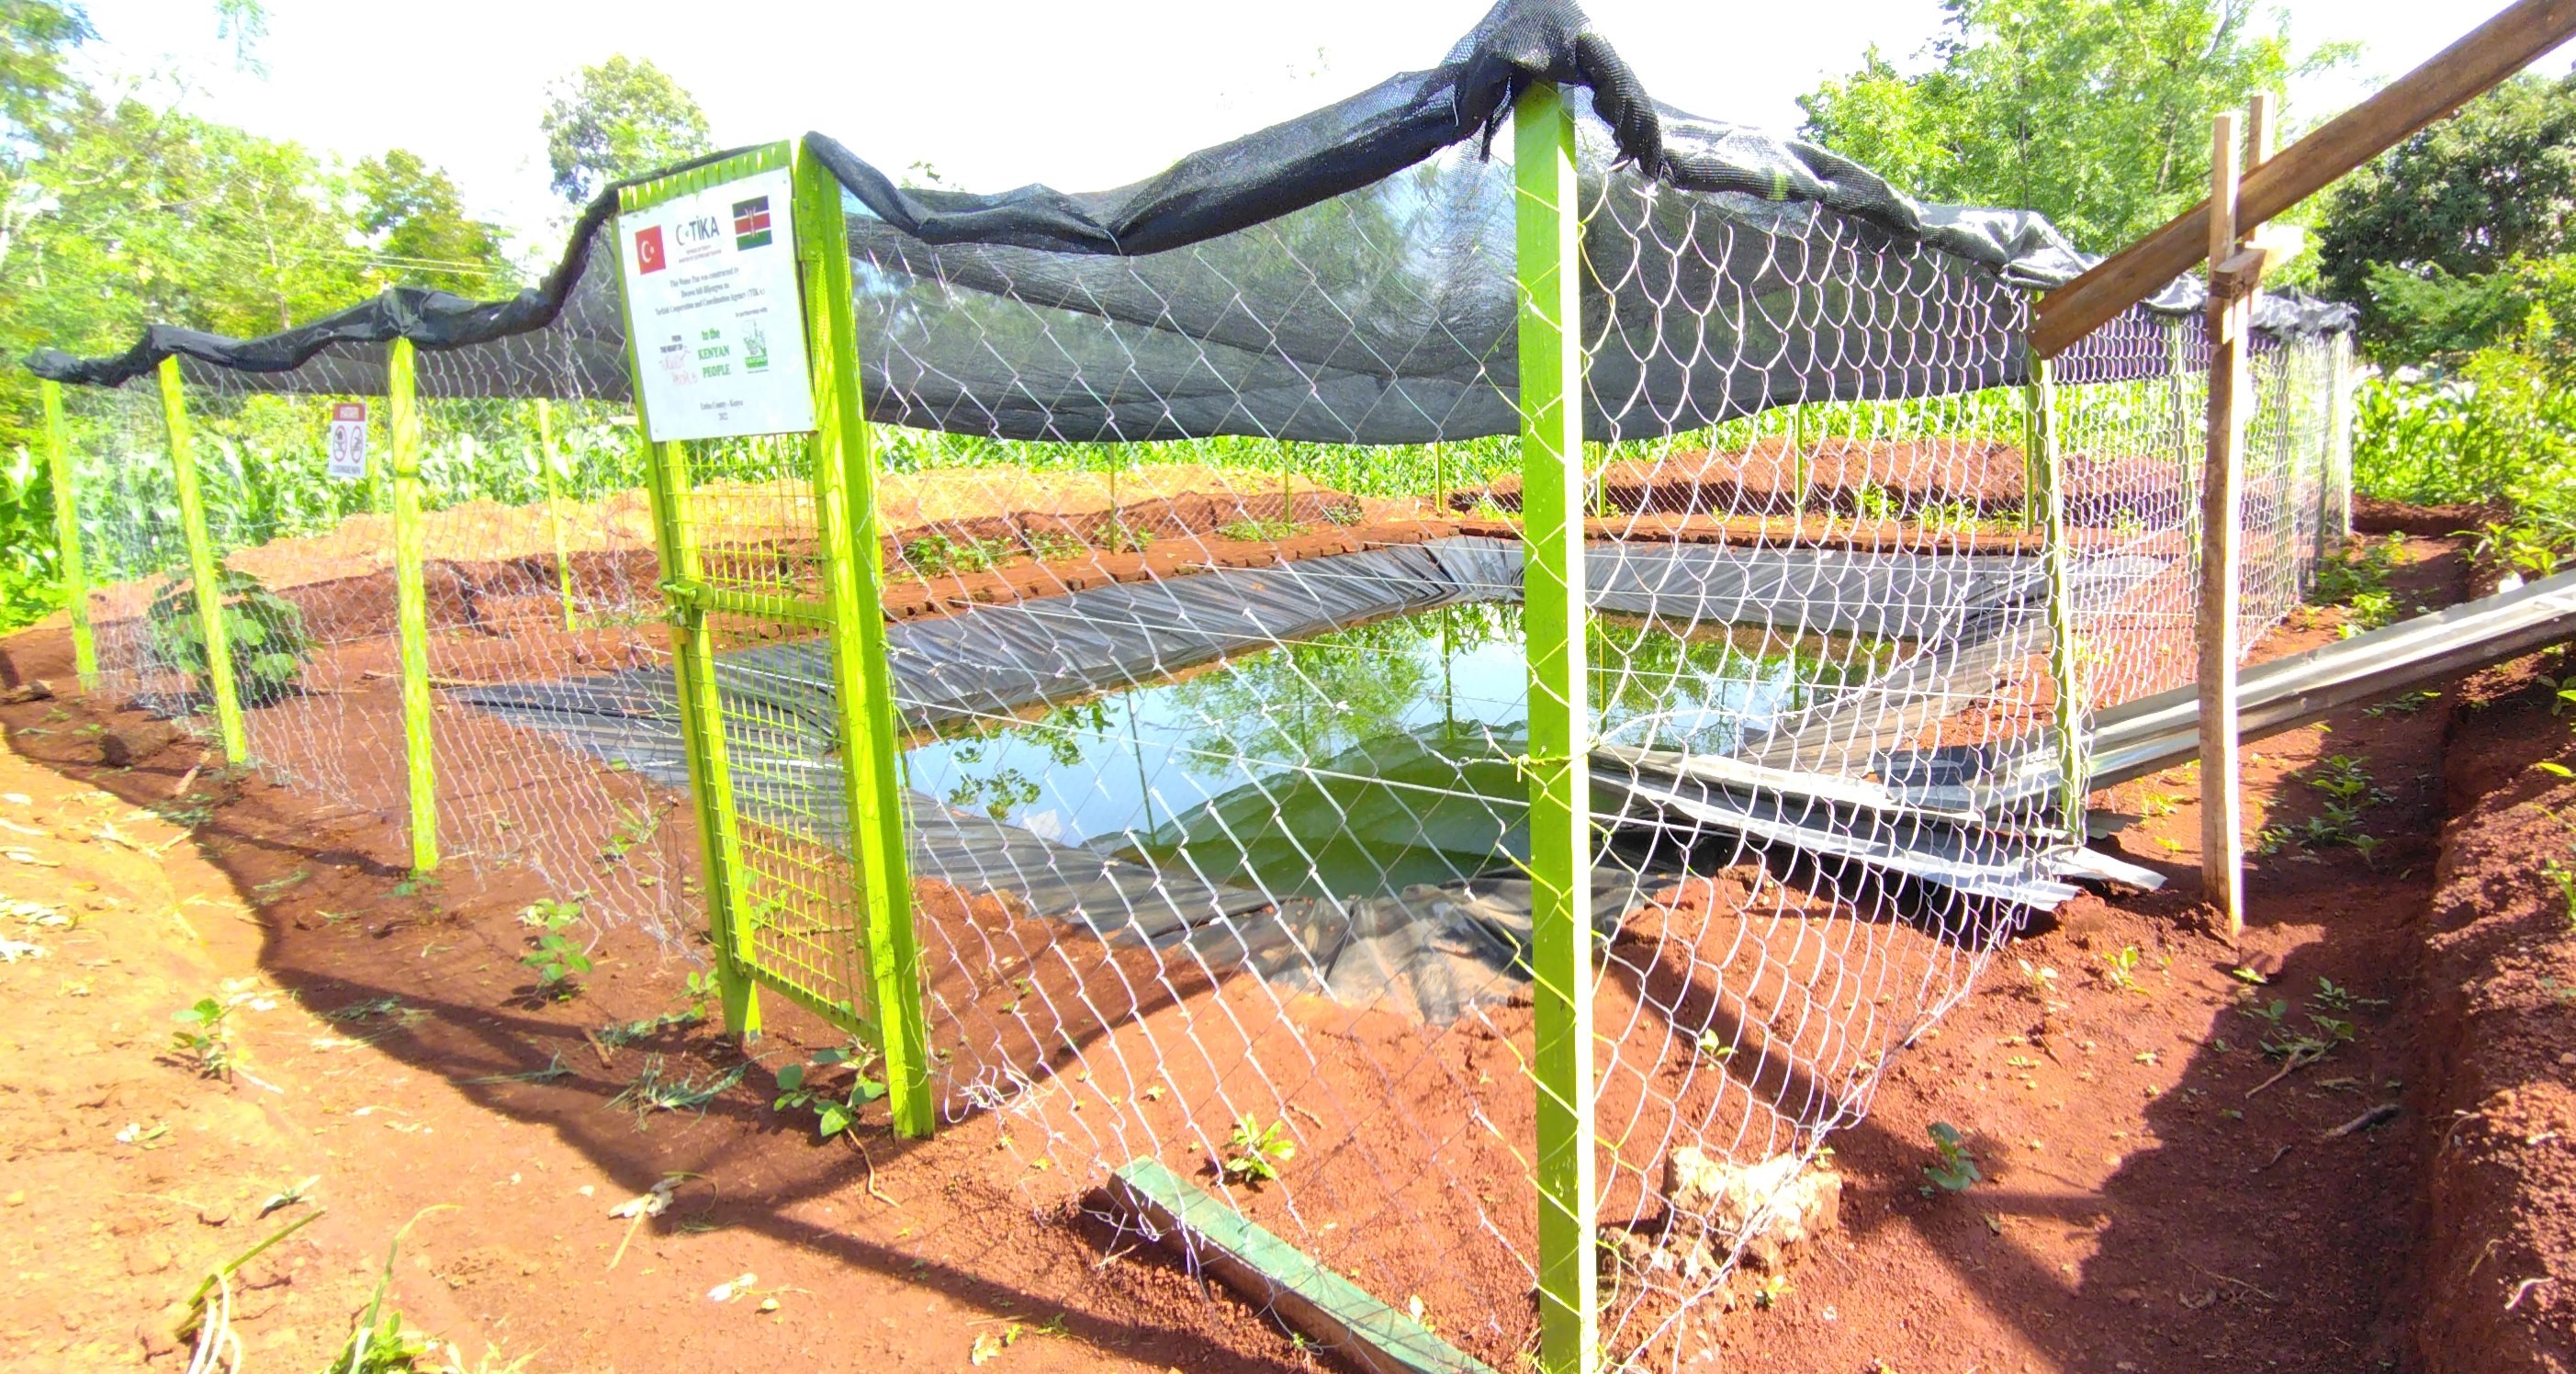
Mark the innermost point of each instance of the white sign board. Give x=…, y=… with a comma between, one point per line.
x=711, y=293
x=348, y=441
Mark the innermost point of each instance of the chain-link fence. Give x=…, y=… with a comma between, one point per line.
x=1205, y=586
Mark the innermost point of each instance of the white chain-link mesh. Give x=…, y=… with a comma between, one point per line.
x=1210, y=743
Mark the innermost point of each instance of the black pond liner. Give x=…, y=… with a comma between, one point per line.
x=1433, y=949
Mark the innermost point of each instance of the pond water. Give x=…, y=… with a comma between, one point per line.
x=1363, y=760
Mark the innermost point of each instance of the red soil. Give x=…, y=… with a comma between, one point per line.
x=2152, y=1203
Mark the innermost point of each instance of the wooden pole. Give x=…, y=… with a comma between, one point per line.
x=2506, y=44
x=2222, y=802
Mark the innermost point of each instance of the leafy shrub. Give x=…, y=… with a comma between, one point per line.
x=265, y=630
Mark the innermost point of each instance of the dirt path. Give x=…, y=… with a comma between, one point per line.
x=131, y=1172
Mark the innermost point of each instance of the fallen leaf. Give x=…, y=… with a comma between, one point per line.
x=648, y=1204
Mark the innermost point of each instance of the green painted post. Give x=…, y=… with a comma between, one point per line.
x=203, y=571
x=845, y=512
x=550, y=462
x=1560, y=727
x=58, y=464
x=693, y=656
x=411, y=602
x=2065, y=663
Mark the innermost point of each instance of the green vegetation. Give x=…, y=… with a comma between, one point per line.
x=204, y=1036
x=2450, y=239
x=266, y=632
x=2459, y=246
x=619, y=119
x=2120, y=970
x=557, y=959
x=834, y=1109
x=1254, y=1152
x=2093, y=112
x=2346, y=791
x=654, y=1090
x=1260, y=531
x=1954, y=1170
x=1712, y=1047
x=937, y=555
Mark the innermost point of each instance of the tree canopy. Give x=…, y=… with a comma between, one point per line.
x=421, y=232
x=618, y=119
x=2447, y=240
x=2095, y=113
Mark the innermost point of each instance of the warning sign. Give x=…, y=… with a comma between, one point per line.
x=348, y=460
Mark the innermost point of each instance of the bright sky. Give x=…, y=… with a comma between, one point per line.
x=997, y=93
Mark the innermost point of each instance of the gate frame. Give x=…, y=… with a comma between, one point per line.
x=841, y=464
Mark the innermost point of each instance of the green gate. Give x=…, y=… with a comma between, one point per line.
x=807, y=887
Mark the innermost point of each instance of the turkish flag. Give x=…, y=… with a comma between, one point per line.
x=648, y=250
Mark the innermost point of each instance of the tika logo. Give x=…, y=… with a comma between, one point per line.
x=648, y=251
x=751, y=223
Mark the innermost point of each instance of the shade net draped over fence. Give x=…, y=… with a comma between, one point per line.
x=1205, y=616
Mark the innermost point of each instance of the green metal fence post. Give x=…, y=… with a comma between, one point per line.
x=550, y=463
x=1560, y=726
x=203, y=571
x=411, y=602
x=845, y=510
x=693, y=656
x=2065, y=661
x=58, y=466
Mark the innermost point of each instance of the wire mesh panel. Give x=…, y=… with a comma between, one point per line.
x=1210, y=742
x=1813, y=832
x=1210, y=608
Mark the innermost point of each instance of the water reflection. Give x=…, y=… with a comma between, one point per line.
x=1363, y=760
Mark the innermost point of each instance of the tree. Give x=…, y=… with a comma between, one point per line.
x=159, y=217
x=616, y=120
x=418, y=227
x=2446, y=240
x=2093, y=112
x=35, y=37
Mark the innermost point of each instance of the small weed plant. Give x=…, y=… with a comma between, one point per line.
x=558, y=960
x=836, y=1108
x=636, y=826
x=265, y=632
x=1259, y=531
x=2120, y=971
x=2346, y=793
x=655, y=1090
x=1121, y=537
x=1254, y=1152
x=936, y=555
x=1052, y=546
x=1954, y=1169
x=205, y=1036
x=2563, y=878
